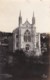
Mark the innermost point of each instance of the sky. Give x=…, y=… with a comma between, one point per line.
x=10, y=9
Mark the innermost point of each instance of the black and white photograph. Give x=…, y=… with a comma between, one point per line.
x=24, y=39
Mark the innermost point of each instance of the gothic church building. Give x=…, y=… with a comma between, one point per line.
x=25, y=37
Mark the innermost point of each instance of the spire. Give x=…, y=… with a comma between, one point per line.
x=20, y=19
x=20, y=13
x=33, y=19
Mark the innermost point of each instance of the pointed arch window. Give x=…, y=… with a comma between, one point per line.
x=27, y=36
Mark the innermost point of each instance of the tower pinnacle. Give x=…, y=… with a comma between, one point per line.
x=20, y=19
x=33, y=19
x=20, y=14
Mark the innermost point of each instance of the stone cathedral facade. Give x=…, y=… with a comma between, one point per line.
x=25, y=37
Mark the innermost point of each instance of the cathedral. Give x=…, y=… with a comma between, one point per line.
x=26, y=38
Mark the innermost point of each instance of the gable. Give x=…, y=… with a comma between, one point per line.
x=26, y=24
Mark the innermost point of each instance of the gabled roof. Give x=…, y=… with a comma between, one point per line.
x=26, y=23
x=16, y=30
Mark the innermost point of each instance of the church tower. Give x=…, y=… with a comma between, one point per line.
x=33, y=19
x=20, y=19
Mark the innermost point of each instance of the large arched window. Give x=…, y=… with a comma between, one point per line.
x=27, y=36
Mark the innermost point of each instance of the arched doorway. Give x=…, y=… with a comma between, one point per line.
x=27, y=47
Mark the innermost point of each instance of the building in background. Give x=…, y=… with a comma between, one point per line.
x=6, y=47
x=6, y=42
x=25, y=37
x=44, y=42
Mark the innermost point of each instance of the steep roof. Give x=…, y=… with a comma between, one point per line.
x=27, y=23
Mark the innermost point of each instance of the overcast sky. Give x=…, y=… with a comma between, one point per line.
x=9, y=13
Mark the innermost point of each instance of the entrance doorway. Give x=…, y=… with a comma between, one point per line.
x=27, y=47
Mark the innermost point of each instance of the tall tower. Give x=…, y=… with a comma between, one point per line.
x=33, y=19
x=33, y=32
x=20, y=23
x=20, y=19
